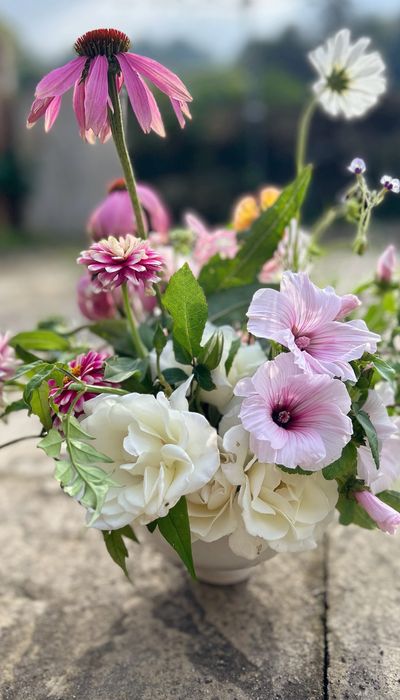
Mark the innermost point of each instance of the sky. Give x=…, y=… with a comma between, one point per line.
x=220, y=27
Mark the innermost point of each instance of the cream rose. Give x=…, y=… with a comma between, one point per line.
x=161, y=451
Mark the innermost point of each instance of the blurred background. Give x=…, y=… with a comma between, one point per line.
x=245, y=62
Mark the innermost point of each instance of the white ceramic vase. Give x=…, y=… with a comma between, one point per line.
x=214, y=561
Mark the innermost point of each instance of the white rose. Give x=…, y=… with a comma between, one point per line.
x=161, y=451
x=287, y=512
x=247, y=359
x=212, y=511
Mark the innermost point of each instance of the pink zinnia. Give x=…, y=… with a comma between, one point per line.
x=113, y=261
x=103, y=54
x=114, y=216
x=294, y=419
x=209, y=243
x=386, y=264
x=93, y=304
x=305, y=319
x=8, y=360
x=90, y=369
x=386, y=518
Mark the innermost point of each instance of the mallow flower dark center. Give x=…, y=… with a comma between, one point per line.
x=281, y=417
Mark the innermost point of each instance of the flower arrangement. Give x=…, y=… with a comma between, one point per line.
x=171, y=410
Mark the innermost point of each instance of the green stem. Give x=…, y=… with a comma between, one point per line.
x=14, y=442
x=327, y=218
x=137, y=341
x=302, y=137
x=95, y=389
x=117, y=130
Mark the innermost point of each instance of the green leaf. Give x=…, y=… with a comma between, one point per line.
x=352, y=513
x=345, y=467
x=86, y=454
x=127, y=531
x=175, y=375
x=384, y=369
x=152, y=526
x=64, y=472
x=185, y=301
x=115, y=332
x=364, y=420
x=210, y=355
x=235, y=345
x=42, y=374
x=176, y=530
x=39, y=405
x=116, y=548
x=40, y=340
x=203, y=376
x=296, y=470
x=391, y=498
x=75, y=430
x=159, y=340
x=260, y=243
x=118, y=369
x=230, y=305
x=51, y=444
x=18, y=405
x=181, y=355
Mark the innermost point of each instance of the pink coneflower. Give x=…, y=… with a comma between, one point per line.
x=114, y=216
x=103, y=55
x=294, y=419
x=209, y=243
x=93, y=304
x=386, y=518
x=386, y=264
x=90, y=369
x=305, y=319
x=113, y=261
x=8, y=360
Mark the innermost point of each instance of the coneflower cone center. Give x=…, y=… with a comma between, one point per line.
x=118, y=185
x=102, y=42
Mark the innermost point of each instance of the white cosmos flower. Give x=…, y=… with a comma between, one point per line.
x=247, y=359
x=161, y=451
x=286, y=512
x=350, y=80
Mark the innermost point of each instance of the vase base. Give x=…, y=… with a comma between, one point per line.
x=220, y=577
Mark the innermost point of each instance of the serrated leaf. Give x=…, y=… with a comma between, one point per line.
x=116, y=548
x=260, y=243
x=51, y=444
x=75, y=430
x=85, y=454
x=235, y=345
x=40, y=340
x=203, y=376
x=343, y=468
x=176, y=530
x=118, y=369
x=370, y=433
x=185, y=301
x=64, y=472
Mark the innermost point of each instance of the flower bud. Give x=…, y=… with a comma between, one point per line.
x=386, y=518
x=386, y=264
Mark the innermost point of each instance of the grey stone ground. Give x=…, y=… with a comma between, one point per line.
x=318, y=625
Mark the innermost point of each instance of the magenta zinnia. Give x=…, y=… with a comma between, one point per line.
x=88, y=368
x=113, y=261
x=115, y=216
x=102, y=56
x=8, y=360
x=307, y=320
x=294, y=419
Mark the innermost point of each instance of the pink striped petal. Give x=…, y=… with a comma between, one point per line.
x=52, y=112
x=38, y=109
x=61, y=79
x=96, y=94
x=181, y=111
x=137, y=92
x=159, y=216
x=78, y=103
x=157, y=123
x=162, y=77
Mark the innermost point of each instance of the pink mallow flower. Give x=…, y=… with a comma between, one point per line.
x=113, y=261
x=90, y=369
x=294, y=418
x=386, y=264
x=114, y=216
x=306, y=320
x=103, y=54
x=386, y=517
x=8, y=360
x=209, y=243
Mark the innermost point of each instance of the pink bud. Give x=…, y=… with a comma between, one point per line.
x=94, y=305
x=349, y=302
x=386, y=264
x=386, y=518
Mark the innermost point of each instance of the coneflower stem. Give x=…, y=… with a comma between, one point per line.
x=302, y=136
x=130, y=319
x=117, y=130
